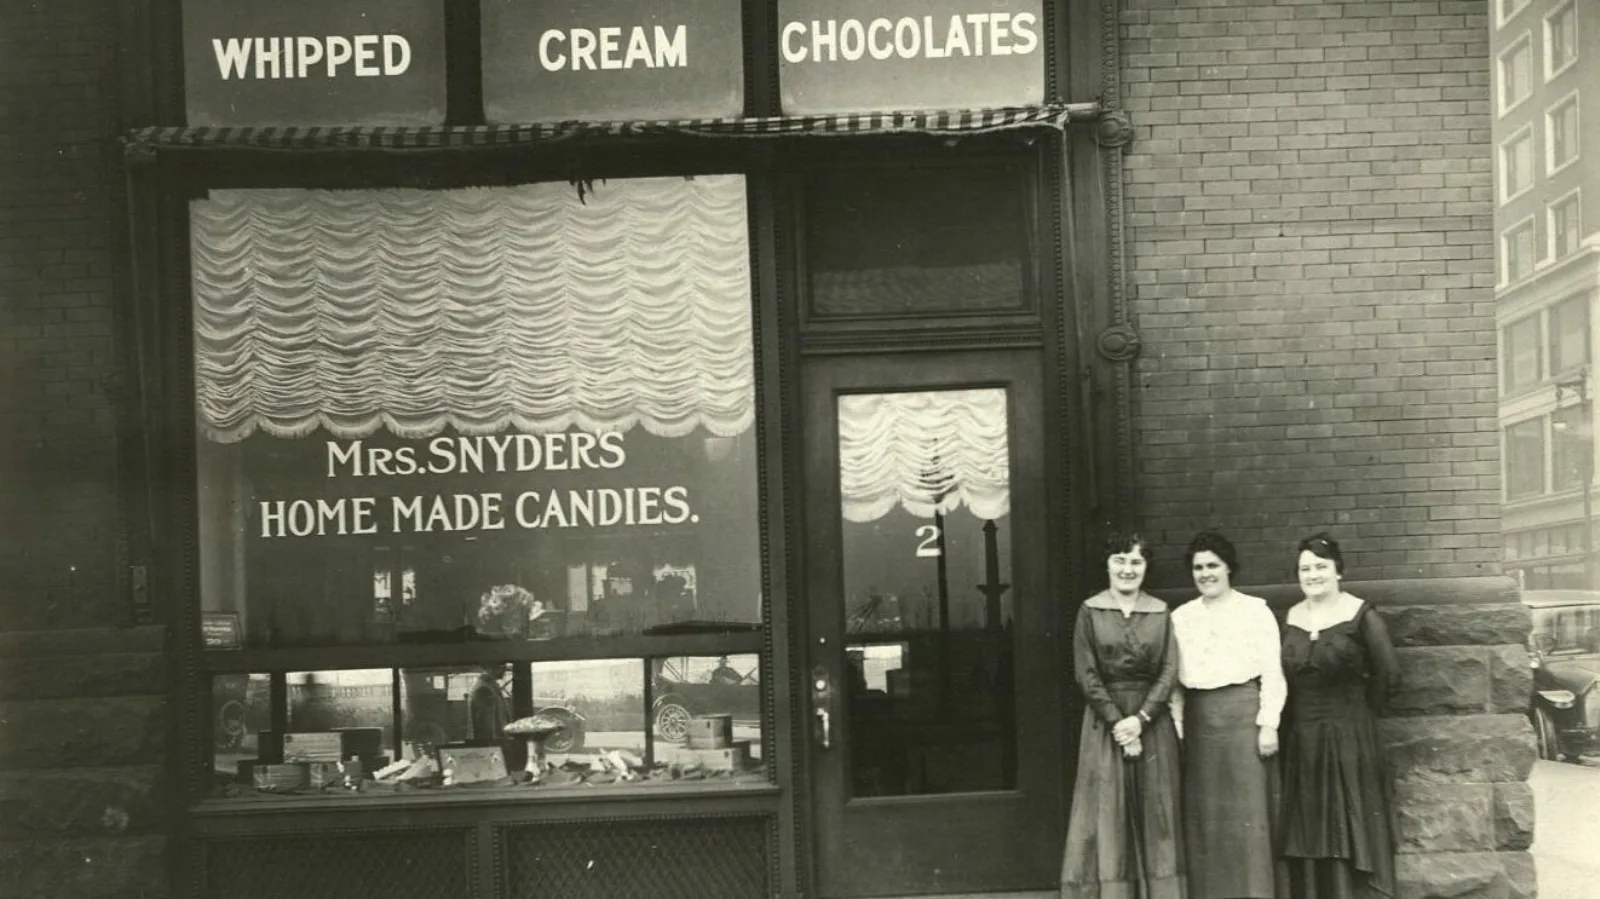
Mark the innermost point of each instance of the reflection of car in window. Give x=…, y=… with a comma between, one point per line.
x=686, y=686
x=1564, y=650
x=438, y=709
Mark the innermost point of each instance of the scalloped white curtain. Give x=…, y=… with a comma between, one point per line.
x=482, y=309
x=924, y=451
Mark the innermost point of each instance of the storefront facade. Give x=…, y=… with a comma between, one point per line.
x=579, y=458
x=756, y=412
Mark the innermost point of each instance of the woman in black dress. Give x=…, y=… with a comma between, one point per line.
x=1336, y=833
x=1123, y=840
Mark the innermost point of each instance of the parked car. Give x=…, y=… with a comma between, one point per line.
x=1564, y=648
x=684, y=687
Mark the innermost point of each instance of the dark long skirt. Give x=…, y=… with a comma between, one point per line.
x=1336, y=829
x=1123, y=839
x=1230, y=798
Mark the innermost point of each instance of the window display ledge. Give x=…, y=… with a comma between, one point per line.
x=497, y=795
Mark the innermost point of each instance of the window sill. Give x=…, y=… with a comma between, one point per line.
x=433, y=797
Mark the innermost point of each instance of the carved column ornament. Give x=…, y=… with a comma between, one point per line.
x=1118, y=343
x=1114, y=128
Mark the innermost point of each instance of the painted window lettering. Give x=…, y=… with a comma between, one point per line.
x=928, y=37
x=604, y=48
x=268, y=58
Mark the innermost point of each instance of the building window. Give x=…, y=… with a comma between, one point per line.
x=1518, y=248
x=1560, y=39
x=1565, y=226
x=1569, y=334
x=1561, y=131
x=1522, y=354
x=1570, y=444
x=427, y=420
x=1507, y=9
x=1516, y=164
x=1516, y=74
x=560, y=445
x=1525, y=459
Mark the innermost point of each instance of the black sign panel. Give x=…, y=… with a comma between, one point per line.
x=611, y=60
x=842, y=56
x=314, y=62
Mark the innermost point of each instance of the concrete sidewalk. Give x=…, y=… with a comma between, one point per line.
x=1567, y=830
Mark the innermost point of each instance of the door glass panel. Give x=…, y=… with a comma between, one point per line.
x=925, y=489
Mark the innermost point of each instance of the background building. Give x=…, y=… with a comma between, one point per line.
x=1547, y=211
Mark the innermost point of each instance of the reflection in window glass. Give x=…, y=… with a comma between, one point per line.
x=600, y=703
x=240, y=724
x=544, y=725
x=1516, y=164
x=560, y=444
x=1565, y=226
x=461, y=704
x=332, y=701
x=1525, y=459
x=1561, y=38
x=1564, y=576
x=1522, y=353
x=1516, y=74
x=1518, y=246
x=707, y=710
x=1562, y=122
x=925, y=483
x=1569, y=334
x=1571, y=449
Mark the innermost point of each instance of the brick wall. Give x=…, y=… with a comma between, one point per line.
x=1311, y=255
x=57, y=186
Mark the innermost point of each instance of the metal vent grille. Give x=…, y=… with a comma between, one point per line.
x=700, y=858
x=424, y=864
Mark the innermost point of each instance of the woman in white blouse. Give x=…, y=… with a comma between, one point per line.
x=1233, y=693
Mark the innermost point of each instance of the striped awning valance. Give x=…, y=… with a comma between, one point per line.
x=967, y=121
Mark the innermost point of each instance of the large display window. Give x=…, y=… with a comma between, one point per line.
x=493, y=413
x=443, y=418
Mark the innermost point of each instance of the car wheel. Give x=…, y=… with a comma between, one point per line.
x=1549, y=738
x=568, y=739
x=230, y=724
x=672, y=721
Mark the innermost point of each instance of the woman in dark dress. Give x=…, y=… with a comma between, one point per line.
x=1123, y=840
x=1336, y=833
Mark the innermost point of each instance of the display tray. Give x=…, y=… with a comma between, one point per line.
x=461, y=770
x=750, y=783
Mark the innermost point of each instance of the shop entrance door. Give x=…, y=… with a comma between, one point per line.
x=931, y=651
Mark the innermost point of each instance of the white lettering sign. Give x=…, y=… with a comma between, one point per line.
x=331, y=56
x=930, y=37
x=610, y=49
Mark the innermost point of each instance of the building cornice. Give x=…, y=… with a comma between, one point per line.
x=1576, y=273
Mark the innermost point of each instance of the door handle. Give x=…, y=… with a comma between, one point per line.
x=822, y=706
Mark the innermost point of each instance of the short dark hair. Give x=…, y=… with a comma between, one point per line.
x=1322, y=545
x=1213, y=542
x=1124, y=542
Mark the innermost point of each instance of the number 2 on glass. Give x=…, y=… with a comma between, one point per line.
x=929, y=547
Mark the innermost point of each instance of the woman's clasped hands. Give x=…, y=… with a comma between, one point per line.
x=1127, y=733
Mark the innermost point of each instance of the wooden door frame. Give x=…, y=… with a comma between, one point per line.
x=1037, y=623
